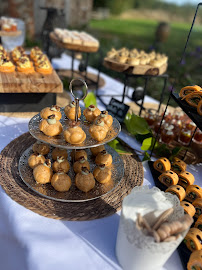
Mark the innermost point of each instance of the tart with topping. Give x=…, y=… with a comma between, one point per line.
x=24, y=65
x=44, y=67
x=5, y=64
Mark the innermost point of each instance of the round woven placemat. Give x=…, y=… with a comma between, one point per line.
x=106, y=205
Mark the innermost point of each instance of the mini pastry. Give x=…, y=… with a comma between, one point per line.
x=96, y=150
x=41, y=148
x=178, y=165
x=70, y=111
x=168, y=178
x=133, y=61
x=17, y=53
x=103, y=158
x=178, y=191
x=107, y=118
x=61, y=164
x=198, y=223
x=98, y=130
x=44, y=67
x=40, y=58
x=188, y=90
x=43, y=172
x=61, y=182
x=193, y=99
x=59, y=152
x=50, y=127
x=193, y=239
x=198, y=206
x=74, y=134
x=6, y=65
x=195, y=260
x=82, y=162
x=199, y=107
x=35, y=159
x=50, y=111
x=84, y=180
x=91, y=113
x=162, y=165
x=35, y=52
x=188, y=208
x=24, y=65
x=193, y=192
x=102, y=174
x=185, y=179
x=77, y=154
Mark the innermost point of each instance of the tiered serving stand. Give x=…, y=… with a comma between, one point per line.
x=73, y=195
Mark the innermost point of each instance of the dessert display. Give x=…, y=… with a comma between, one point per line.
x=193, y=239
x=193, y=192
x=80, y=163
x=162, y=165
x=84, y=180
x=70, y=111
x=188, y=208
x=61, y=165
x=6, y=65
x=61, y=181
x=178, y=191
x=74, y=134
x=41, y=148
x=195, y=260
x=169, y=178
x=103, y=158
x=91, y=113
x=35, y=159
x=53, y=110
x=51, y=126
x=43, y=172
x=102, y=174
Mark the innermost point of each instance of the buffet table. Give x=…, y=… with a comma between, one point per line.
x=30, y=241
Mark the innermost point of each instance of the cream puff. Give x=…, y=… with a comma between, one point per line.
x=41, y=148
x=43, y=172
x=61, y=164
x=54, y=109
x=102, y=174
x=74, y=134
x=84, y=180
x=91, y=113
x=50, y=127
x=98, y=130
x=59, y=152
x=61, y=182
x=70, y=111
x=35, y=159
x=82, y=162
x=103, y=158
x=77, y=154
x=96, y=150
x=107, y=118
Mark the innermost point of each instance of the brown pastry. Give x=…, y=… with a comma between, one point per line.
x=195, y=260
x=43, y=172
x=50, y=111
x=103, y=158
x=41, y=148
x=107, y=118
x=102, y=174
x=84, y=180
x=91, y=113
x=70, y=111
x=193, y=239
x=96, y=150
x=61, y=164
x=74, y=134
x=188, y=208
x=198, y=223
x=50, y=127
x=35, y=159
x=178, y=191
x=162, y=165
x=77, y=154
x=178, y=165
x=168, y=178
x=61, y=182
x=198, y=206
x=193, y=192
x=59, y=152
x=82, y=162
x=185, y=179
x=98, y=130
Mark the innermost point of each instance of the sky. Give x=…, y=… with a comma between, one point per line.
x=181, y=2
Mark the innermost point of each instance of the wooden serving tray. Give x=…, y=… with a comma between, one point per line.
x=71, y=46
x=137, y=70
x=18, y=82
x=10, y=34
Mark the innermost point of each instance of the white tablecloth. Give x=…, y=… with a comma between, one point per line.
x=29, y=241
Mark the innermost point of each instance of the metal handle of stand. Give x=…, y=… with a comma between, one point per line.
x=78, y=99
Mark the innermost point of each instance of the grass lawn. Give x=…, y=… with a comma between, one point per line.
x=140, y=34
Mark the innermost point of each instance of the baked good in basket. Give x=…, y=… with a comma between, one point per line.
x=98, y=130
x=82, y=162
x=74, y=134
x=188, y=90
x=103, y=158
x=84, y=180
x=54, y=109
x=195, y=260
x=91, y=113
x=178, y=165
x=198, y=206
x=178, y=191
x=193, y=239
x=35, y=159
x=162, y=165
x=41, y=148
x=188, y=208
x=43, y=172
x=59, y=152
x=70, y=111
x=185, y=179
x=50, y=127
x=61, y=181
x=102, y=174
x=61, y=165
x=168, y=178
x=193, y=192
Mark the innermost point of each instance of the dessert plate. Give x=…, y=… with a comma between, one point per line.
x=74, y=194
x=59, y=141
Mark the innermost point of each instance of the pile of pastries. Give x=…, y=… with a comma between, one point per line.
x=8, y=24
x=100, y=123
x=135, y=58
x=193, y=96
x=55, y=170
x=19, y=61
x=180, y=182
x=75, y=37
